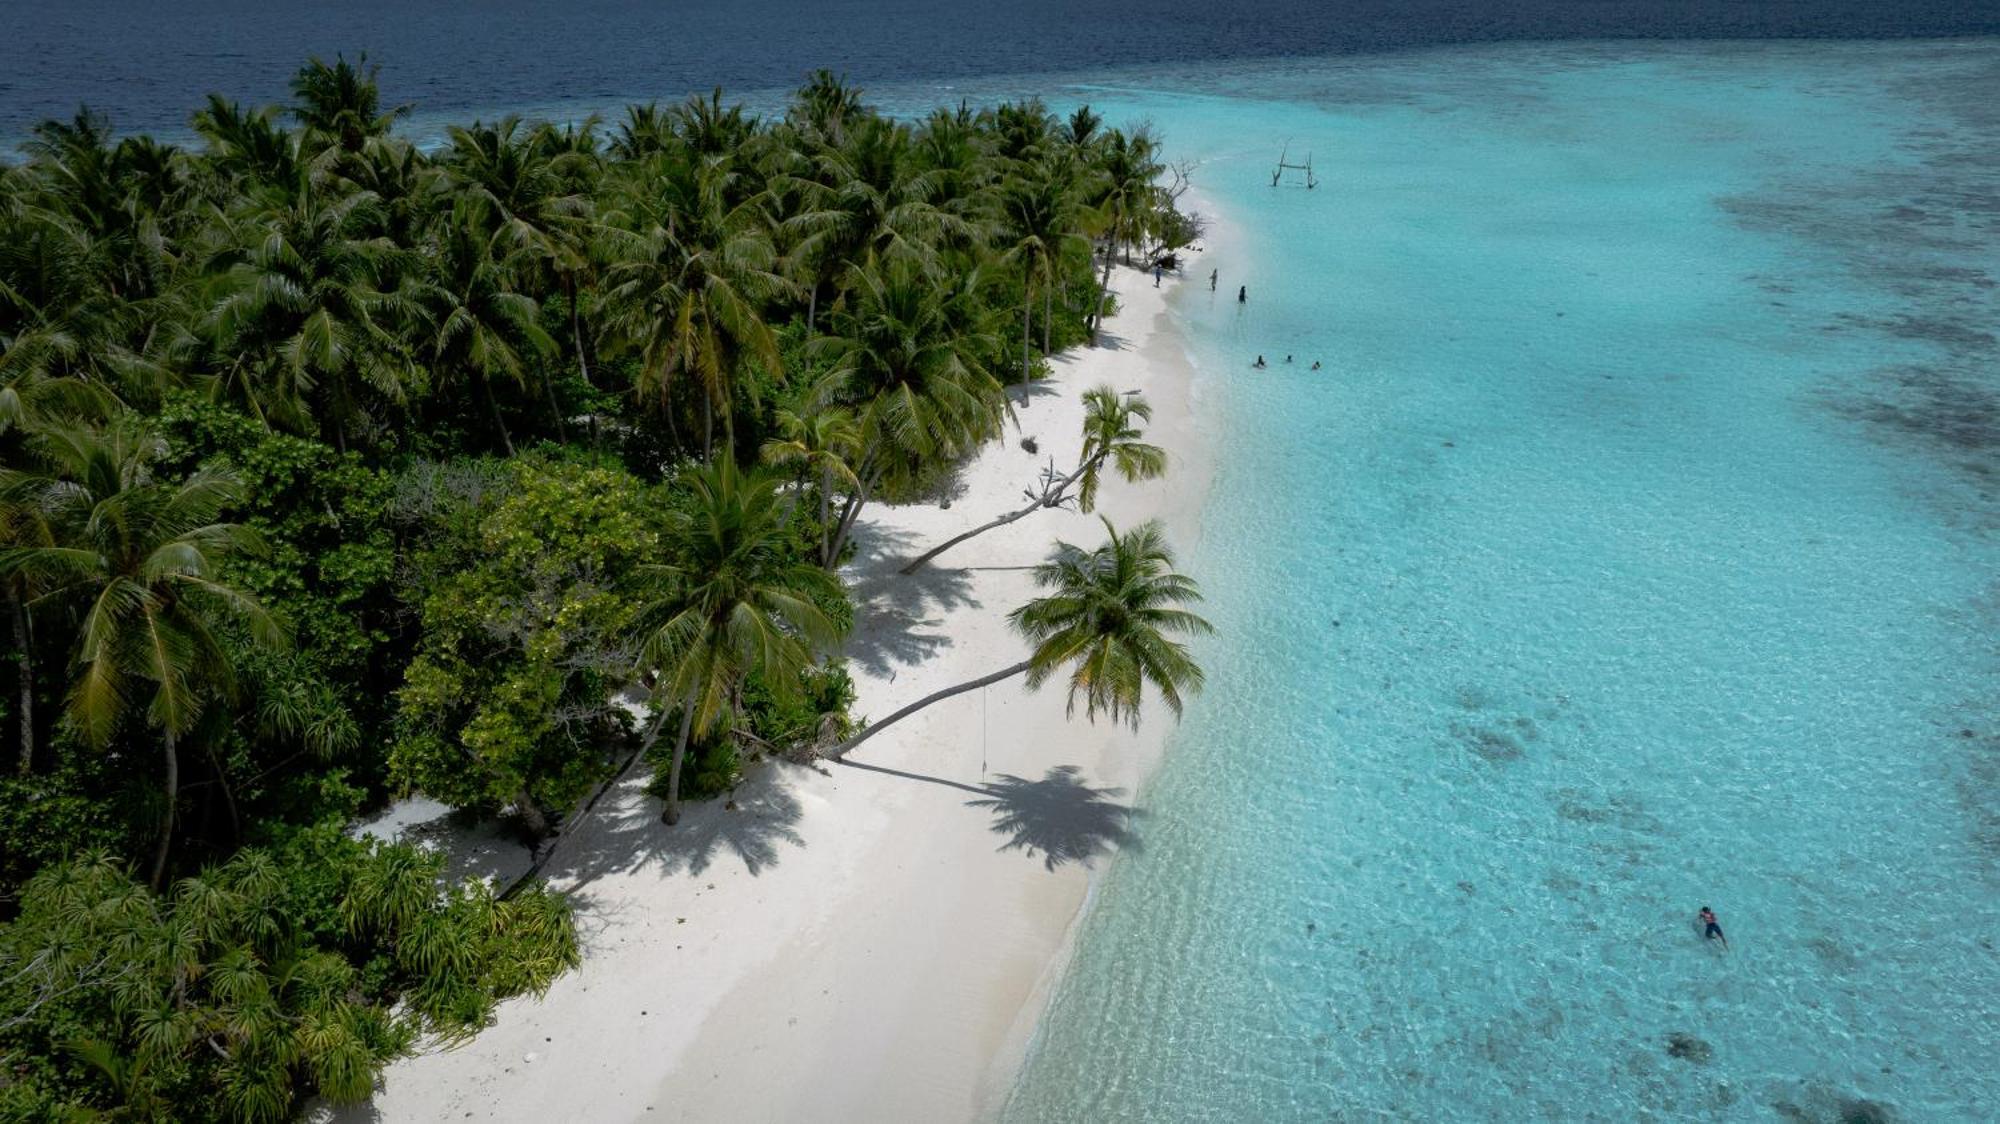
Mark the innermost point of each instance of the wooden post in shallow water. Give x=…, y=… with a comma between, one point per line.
x=1278, y=172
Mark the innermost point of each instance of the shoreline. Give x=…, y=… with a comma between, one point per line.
x=874, y=940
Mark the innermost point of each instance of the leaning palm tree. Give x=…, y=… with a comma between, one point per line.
x=1110, y=620
x=141, y=560
x=738, y=604
x=1111, y=433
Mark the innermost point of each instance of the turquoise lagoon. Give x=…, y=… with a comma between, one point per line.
x=1633, y=550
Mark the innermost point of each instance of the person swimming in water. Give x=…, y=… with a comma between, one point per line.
x=1315, y=364
x=1712, y=929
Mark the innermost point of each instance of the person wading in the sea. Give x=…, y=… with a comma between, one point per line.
x=1711, y=928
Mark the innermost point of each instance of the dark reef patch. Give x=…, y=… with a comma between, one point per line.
x=1620, y=810
x=1687, y=1047
x=1935, y=405
x=1498, y=746
x=1816, y=1104
x=1831, y=955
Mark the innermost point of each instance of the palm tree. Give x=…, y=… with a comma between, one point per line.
x=22, y=525
x=1041, y=216
x=1080, y=131
x=514, y=182
x=248, y=146
x=304, y=326
x=738, y=605
x=868, y=200
x=533, y=191
x=341, y=104
x=1127, y=167
x=645, y=132
x=910, y=358
x=823, y=444
x=689, y=278
x=484, y=327
x=141, y=558
x=709, y=131
x=57, y=323
x=1111, y=433
x=1109, y=619
x=1023, y=130
x=822, y=108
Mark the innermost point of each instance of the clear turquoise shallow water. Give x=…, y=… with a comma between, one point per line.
x=1634, y=550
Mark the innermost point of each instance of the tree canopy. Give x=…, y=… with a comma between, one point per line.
x=336, y=467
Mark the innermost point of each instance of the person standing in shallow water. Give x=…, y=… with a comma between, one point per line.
x=1242, y=294
x=1211, y=279
x=1711, y=928
x=1156, y=277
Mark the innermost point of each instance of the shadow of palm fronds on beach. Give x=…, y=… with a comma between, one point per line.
x=754, y=824
x=898, y=617
x=1061, y=817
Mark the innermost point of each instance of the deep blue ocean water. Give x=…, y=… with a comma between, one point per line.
x=1634, y=549
x=148, y=64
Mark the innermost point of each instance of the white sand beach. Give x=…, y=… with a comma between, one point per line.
x=871, y=941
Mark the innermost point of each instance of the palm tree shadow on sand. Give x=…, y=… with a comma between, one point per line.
x=753, y=824
x=1060, y=817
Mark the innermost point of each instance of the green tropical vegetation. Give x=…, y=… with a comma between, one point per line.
x=336, y=466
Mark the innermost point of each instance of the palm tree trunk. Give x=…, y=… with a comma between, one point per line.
x=812, y=306
x=173, y=790
x=874, y=728
x=556, y=410
x=825, y=509
x=672, y=813
x=582, y=362
x=531, y=812
x=1048, y=315
x=228, y=794
x=24, y=668
x=848, y=517
x=1103, y=292
x=493, y=409
x=547, y=849
x=1027, y=306
x=576, y=331
x=1049, y=498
